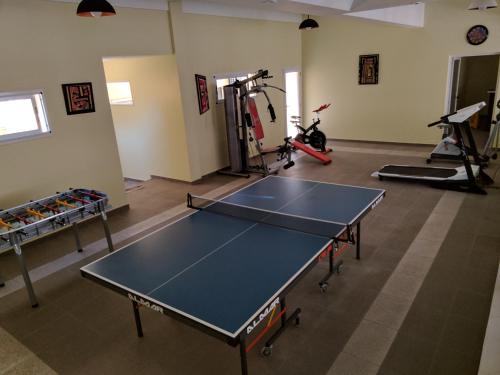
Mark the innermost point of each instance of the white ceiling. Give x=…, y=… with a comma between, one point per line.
x=315, y=7
x=399, y=12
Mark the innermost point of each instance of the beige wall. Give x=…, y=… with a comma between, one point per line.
x=413, y=71
x=151, y=133
x=209, y=45
x=51, y=46
x=43, y=45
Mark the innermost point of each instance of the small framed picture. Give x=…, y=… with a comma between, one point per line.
x=368, y=69
x=78, y=97
x=202, y=89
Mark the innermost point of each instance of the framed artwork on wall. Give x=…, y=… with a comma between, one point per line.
x=78, y=97
x=202, y=89
x=368, y=69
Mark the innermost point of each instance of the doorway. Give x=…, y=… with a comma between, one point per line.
x=145, y=100
x=292, y=88
x=474, y=79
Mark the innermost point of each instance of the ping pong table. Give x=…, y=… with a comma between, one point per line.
x=227, y=268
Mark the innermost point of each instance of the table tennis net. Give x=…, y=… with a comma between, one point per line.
x=297, y=223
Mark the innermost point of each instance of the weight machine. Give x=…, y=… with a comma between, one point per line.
x=244, y=128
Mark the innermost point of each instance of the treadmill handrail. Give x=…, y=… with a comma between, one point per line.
x=441, y=121
x=459, y=116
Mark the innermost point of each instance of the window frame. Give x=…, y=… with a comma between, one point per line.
x=40, y=112
x=230, y=76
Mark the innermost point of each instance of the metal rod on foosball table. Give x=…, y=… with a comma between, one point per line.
x=79, y=247
x=24, y=271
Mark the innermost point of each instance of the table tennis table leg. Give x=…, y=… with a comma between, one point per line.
x=243, y=357
x=107, y=232
x=24, y=271
x=137, y=317
x=285, y=322
x=332, y=267
x=77, y=237
x=358, y=241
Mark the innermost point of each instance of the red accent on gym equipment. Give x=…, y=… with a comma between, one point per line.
x=322, y=107
x=315, y=154
x=254, y=114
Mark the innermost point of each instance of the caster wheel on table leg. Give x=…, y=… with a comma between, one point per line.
x=266, y=351
x=323, y=286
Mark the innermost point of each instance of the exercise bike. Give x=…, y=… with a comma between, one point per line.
x=312, y=135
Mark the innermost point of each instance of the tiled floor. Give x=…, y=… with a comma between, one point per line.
x=83, y=328
x=448, y=318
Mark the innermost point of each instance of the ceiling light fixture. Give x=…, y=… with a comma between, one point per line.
x=95, y=8
x=482, y=4
x=308, y=24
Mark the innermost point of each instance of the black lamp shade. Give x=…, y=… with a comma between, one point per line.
x=95, y=8
x=308, y=24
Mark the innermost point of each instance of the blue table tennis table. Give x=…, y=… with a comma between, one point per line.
x=227, y=268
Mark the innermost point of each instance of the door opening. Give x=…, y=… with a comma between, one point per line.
x=474, y=79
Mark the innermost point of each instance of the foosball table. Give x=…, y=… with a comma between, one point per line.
x=30, y=221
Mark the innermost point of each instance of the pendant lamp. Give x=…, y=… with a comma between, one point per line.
x=95, y=8
x=308, y=24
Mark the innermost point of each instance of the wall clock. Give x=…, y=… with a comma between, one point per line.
x=477, y=35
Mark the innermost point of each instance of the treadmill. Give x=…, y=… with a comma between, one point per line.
x=468, y=178
x=447, y=149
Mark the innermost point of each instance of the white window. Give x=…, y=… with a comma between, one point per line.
x=292, y=82
x=120, y=93
x=222, y=80
x=22, y=115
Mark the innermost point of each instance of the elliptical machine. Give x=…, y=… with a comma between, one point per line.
x=312, y=135
x=491, y=145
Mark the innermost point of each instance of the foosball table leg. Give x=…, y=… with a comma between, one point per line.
x=104, y=219
x=24, y=271
x=79, y=247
